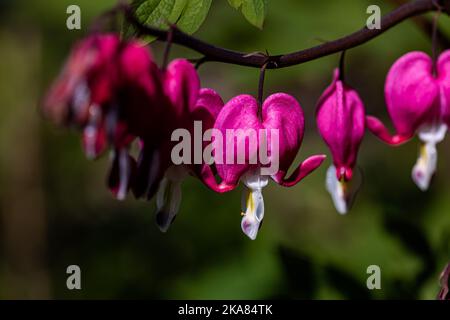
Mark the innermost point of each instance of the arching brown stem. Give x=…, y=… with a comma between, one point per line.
x=213, y=53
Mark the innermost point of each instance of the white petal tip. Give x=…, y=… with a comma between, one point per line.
x=163, y=229
x=341, y=193
x=421, y=179
x=425, y=167
x=164, y=221
x=250, y=227
x=121, y=197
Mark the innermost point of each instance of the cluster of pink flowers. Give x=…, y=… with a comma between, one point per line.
x=116, y=94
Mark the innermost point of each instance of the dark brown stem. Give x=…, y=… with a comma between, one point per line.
x=434, y=40
x=342, y=67
x=262, y=76
x=168, y=46
x=213, y=53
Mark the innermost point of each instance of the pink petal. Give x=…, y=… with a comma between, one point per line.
x=182, y=86
x=206, y=110
x=341, y=121
x=71, y=93
x=282, y=112
x=207, y=107
x=443, y=67
x=304, y=169
x=241, y=112
x=411, y=93
x=142, y=102
x=207, y=177
x=378, y=128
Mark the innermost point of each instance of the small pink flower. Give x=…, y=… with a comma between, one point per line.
x=340, y=118
x=112, y=91
x=168, y=199
x=282, y=123
x=186, y=103
x=418, y=101
x=87, y=79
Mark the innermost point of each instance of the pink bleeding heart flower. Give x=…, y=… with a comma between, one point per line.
x=168, y=198
x=180, y=87
x=255, y=147
x=340, y=118
x=141, y=110
x=87, y=78
x=186, y=104
x=110, y=89
x=417, y=95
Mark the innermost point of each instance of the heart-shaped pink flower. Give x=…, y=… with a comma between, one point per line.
x=186, y=104
x=112, y=90
x=417, y=95
x=340, y=118
x=258, y=146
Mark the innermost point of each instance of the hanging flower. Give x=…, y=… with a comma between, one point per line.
x=204, y=111
x=259, y=147
x=417, y=95
x=340, y=118
x=180, y=86
x=111, y=90
x=86, y=79
x=186, y=103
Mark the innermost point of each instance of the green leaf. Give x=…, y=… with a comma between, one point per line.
x=177, y=10
x=188, y=15
x=235, y=3
x=193, y=15
x=155, y=12
x=253, y=10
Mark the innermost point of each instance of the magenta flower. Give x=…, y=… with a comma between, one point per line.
x=277, y=134
x=168, y=197
x=340, y=118
x=180, y=87
x=111, y=90
x=417, y=95
x=87, y=79
x=186, y=103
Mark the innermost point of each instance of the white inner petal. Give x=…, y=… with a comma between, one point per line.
x=91, y=131
x=81, y=97
x=426, y=163
x=124, y=174
x=336, y=189
x=253, y=180
x=253, y=208
x=161, y=194
x=168, y=198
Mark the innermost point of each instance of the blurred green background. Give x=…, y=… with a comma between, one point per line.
x=56, y=210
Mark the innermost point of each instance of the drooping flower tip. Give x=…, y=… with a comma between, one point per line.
x=110, y=89
x=273, y=152
x=341, y=121
x=344, y=173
